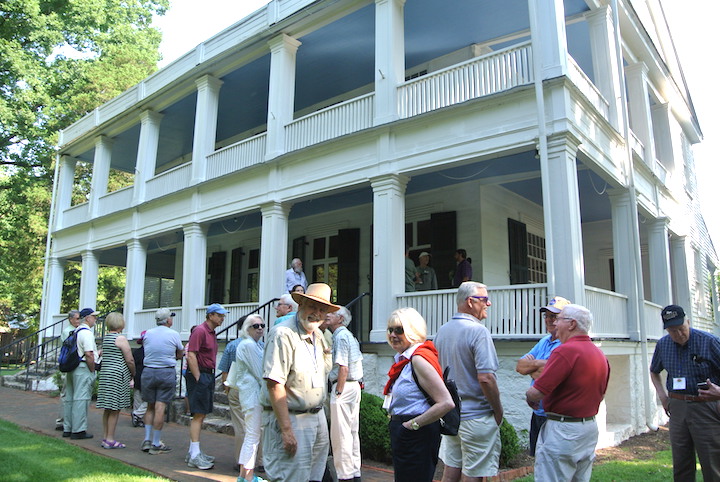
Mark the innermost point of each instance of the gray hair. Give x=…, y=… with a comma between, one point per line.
x=580, y=314
x=73, y=313
x=467, y=289
x=344, y=313
x=294, y=262
x=249, y=321
x=288, y=300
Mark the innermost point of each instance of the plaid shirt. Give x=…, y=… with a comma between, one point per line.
x=696, y=361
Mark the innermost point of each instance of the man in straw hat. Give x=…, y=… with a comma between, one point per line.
x=295, y=438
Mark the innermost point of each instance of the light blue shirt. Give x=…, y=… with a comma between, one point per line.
x=228, y=356
x=407, y=399
x=292, y=278
x=346, y=352
x=541, y=351
x=161, y=344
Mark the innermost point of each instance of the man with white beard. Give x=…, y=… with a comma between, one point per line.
x=295, y=437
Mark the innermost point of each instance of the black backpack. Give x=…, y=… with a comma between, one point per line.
x=69, y=358
x=450, y=422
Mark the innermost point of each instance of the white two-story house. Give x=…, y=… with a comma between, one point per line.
x=550, y=139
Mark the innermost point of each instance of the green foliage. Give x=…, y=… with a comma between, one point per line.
x=374, y=434
x=510, y=443
x=111, y=289
x=30, y=457
x=58, y=61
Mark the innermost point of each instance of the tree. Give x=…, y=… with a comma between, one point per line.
x=58, y=61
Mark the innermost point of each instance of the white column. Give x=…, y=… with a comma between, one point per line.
x=661, y=115
x=147, y=153
x=89, y=280
x=605, y=60
x=206, y=112
x=681, y=279
x=659, y=259
x=566, y=275
x=101, y=172
x=53, y=291
x=639, y=108
x=63, y=198
x=273, y=250
x=625, y=259
x=194, y=273
x=389, y=58
x=134, y=283
x=281, y=92
x=388, y=248
x=551, y=37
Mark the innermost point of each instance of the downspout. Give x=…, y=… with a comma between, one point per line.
x=542, y=134
x=640, y=294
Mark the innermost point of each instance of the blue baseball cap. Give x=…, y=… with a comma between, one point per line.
x=87, y=312
x=216, y=308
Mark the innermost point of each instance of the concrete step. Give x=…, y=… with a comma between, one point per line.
x=212, y=423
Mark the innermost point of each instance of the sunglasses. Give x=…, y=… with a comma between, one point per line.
x=258, y=325
x=398, y=330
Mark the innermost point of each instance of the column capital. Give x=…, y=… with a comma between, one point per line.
x=103, y=141
x=275, y=208
x=637, y=69
x=283, y=42
x=602, y=13
x=149, y=116
x=208, y=82
x=194, y=229
x=563, y=140
x=136, y=243
x=387, y=182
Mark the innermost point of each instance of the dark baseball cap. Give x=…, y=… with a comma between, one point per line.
x=672, y=315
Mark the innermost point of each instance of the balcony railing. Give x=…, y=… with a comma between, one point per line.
x=115, y=201
x=609, y=311
x=76, y=214
x=169, y=181
x=334, y=121
x=653, y=327
x=585, y=85
x=245, y=153
x=475, y=78
x=145, y=320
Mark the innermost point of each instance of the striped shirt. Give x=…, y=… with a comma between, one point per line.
x=695, y=361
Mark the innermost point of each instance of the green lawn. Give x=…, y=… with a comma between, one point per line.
x=658, y=469
x=31, y=457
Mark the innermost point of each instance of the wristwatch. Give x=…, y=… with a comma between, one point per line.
x=414, y=425
x=338, y=393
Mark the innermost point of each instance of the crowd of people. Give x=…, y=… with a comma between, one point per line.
x=294, y=388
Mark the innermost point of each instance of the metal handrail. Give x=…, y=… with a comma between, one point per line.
x=355, y=308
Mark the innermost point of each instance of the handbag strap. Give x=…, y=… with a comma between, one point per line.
x=429, y=399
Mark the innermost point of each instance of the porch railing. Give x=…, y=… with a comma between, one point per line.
x=334, y=121
x=169, y=181
x=609, y=311
x=245, y=153
x=145, y=320
x=235, y=312
x=653, y=328
x=586, y=86
x=485, y=75
x=76, y=214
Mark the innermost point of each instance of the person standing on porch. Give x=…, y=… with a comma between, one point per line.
x=295, y=437
x=690, y=358
x=533, y=362
x=200, y=376
x=411, y=275
x=463, y=270
x=295, y=276
x=345, y=376
x=466, y=347
x=571, y=387
x=426, y=274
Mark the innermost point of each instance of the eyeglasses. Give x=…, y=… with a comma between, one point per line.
x=550, y=316
x=258, y=325
x=564, y=318
x=481, y=298
x=398, y=330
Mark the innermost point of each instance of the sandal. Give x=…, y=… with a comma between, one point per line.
x=106, y=444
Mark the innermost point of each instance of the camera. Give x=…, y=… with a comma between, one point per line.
x=703, y=386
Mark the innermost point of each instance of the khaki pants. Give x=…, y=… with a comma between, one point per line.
x=76, y=400
x=565, y=451
x=345, y=430
x=238, y=420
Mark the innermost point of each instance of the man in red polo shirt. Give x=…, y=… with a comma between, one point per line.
x=200, y=376
x=571, y=388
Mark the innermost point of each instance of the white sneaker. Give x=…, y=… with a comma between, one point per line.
x=198, y=462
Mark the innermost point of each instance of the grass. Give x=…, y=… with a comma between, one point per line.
x=657, y=469
x=30, y=457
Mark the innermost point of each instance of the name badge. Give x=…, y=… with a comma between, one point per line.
x=679, y=383
x=318, y=381
x=386, y=402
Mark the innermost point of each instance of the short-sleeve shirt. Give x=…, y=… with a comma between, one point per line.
x=575, y=378
x=465, y=345
x=86, y=341
x=203, y=342
x=346, y=352
x=409, y=275
x=463, y=270
x=295, y=359
x=541, y=351
x=161, y=344
x=696, y=361
x=406, y=396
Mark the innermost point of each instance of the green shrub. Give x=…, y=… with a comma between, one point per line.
x=510, y=443
x=374, y=434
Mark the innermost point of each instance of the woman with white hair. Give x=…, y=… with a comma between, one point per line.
x=248, y=373
x=414, y=424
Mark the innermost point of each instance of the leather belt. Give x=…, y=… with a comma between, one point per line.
x=299, y=412
x=688, y=398
x=402, y=418
x=565, y=418
x=207, y=370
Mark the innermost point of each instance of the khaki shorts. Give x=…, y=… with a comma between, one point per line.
x=475, y=449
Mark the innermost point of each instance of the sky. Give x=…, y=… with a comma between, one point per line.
x=693, y=24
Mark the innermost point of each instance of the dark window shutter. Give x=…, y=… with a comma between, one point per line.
x=517, y=244
x=443, y=246
x=298, y=249
x=216, y=275
x=348, y=264
x=235, y=275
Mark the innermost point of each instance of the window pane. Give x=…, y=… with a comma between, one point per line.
x=409, y=234
x=332, y=281
x=319, y=273
x=252, y=287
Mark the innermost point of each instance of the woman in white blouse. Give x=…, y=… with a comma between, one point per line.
x=248, y=373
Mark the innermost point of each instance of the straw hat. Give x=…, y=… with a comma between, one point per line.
x=319, y=292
